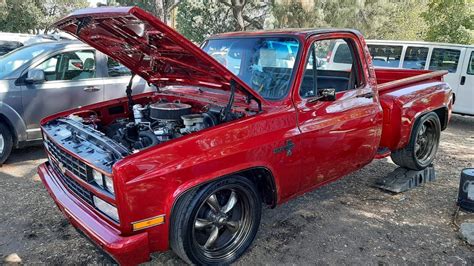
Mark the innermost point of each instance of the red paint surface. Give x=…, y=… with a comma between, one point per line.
x=331, y=140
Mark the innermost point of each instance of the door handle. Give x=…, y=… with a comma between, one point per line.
x=463, y=80
x=91, y=88
x=367, y=95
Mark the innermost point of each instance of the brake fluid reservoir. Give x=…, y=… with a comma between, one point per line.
x=466, y=190
x=137, y=113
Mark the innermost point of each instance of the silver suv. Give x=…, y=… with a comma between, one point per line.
x=46, y=78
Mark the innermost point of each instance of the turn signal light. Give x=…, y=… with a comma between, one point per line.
x=157, y=220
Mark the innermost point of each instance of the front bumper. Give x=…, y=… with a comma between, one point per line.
x=129, y=250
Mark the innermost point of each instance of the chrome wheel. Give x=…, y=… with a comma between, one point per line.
x=222, y=223
x=2, y=143
x=426, y=142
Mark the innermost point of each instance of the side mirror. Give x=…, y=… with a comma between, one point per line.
x=324, y=95
x=35, y=76
x=327, y=95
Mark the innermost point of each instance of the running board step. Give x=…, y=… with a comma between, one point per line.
x=402, y=179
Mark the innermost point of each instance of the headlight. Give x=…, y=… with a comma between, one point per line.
x=99, y=180
x=109, y=183
x=106, y=208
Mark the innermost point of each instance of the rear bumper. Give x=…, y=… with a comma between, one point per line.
x=128, y=250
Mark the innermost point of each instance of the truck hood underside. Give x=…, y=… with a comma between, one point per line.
x=150, y=48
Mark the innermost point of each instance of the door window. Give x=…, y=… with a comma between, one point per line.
x=415, y=57
x=470, y=67
x=385, y=55
x=75, y=65
x=341, y=76
x=445, y=59
x=115, y=69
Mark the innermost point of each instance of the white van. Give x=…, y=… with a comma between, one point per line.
x=456, y=58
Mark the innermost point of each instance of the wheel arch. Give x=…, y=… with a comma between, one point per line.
x=14, y=122
x=443, y=115
x=6, y=121
x=261, y=176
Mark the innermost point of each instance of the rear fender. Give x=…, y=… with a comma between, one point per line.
x=401, y=111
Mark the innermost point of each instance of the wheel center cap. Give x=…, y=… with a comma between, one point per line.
x=221, y=219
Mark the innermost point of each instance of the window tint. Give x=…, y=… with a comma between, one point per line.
x=445, y=59
x=415, y=57
x=385, y=55
x=115, y=69
x=69, y=66
x=470, y=67
x=340, y=76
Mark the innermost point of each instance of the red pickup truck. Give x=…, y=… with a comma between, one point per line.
x=250, y=118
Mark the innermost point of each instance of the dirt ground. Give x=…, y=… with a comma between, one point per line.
x=346, y=222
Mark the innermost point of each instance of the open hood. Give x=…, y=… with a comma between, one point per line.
x=150, y=48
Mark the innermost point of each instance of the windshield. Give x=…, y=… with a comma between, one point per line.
x=265, y=64
x=17, y=58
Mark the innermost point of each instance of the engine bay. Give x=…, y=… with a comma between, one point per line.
x=159, y=122
x=147, y=122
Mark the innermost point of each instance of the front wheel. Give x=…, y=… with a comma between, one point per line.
x=217, y=223
x=6, y=143
x=423, y=144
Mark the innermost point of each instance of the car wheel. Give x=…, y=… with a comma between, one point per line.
x=217, y=223
x=423, y=144
x=6, y=143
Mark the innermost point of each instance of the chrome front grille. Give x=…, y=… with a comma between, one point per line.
x=73, y=185
x=74, y=165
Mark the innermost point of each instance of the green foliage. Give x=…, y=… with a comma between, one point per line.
x=20, y=16
x=34, y=15
x=450, y=21
x=379, y=19
x=197, y=21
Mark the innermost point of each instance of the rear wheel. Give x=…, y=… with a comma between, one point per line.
x=6, y=143
x=423, y=144
x=216, y=224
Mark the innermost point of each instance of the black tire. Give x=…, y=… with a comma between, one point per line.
x=423, y=144
x=6, y=143
x=193, y=219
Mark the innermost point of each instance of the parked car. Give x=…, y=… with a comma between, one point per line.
x=192, y=165
x=11, y=41
x=45, y=78
x=457, y=59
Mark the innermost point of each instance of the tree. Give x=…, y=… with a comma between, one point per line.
x=159, y=8
x=20, y=16
x=33, y=16
x=247, y=14
x=199, y=19
x=450, y=21
x=379, y=19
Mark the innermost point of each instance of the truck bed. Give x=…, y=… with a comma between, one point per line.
x=405, y=95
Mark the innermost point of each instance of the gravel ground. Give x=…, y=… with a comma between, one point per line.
x=346, y=222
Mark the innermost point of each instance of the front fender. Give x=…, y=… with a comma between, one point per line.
x=149, y=182
x=15, y=121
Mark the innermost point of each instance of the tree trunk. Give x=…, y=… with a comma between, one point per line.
x=237, y=9
x=160, y=10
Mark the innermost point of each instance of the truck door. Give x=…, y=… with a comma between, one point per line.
x=70, y=81
x=339, y=136
x=465, y=93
